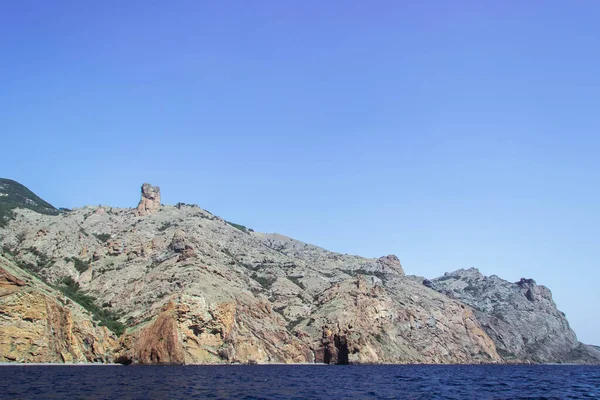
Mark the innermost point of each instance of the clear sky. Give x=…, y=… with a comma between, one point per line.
x=451, y=133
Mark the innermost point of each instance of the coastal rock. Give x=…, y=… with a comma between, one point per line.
x=39, y=325
x=150, y=201
x=188, y=331
x=359, y=322
x=520, y=317
x=193, y=288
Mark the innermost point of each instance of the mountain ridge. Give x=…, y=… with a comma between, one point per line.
x=14, y=195
x=216, y=293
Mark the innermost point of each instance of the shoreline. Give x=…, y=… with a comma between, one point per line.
x=18, y=364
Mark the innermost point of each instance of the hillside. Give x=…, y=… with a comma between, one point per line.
x=14, y=195
x=189, y=287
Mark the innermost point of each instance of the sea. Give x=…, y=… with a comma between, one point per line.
x=96, y=382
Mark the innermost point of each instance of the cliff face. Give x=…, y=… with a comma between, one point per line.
x=193, y=288
x=38, y=324
x=521, y=318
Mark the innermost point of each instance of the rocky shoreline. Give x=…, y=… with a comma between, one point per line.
x=160, y=284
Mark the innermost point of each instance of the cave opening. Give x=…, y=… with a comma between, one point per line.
x=338, y=353
x=342, y=349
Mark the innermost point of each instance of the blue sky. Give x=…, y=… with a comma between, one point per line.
x=453, y=134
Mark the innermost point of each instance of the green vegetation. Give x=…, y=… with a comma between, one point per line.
x=238, y=226
x=296, y=280
x=292, y=324
x=103, y=237
x=34, y=269
x=182, y=204
x=379, y=274
x=165, y=226
x=14, y=195
x=106, y=317
x=6, y=214
x=471, y=288
x=80, y=265
x=70, y=288
x=505, y=354
x=43, y=260
x=265, y=282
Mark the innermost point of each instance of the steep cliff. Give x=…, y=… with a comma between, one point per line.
x=520, y=317
x=39, y=324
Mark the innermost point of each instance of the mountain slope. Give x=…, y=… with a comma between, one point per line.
x=14, y=195
x=193, y=288
x=39, y=324
x=520, y=317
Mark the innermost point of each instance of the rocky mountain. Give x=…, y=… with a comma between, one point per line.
x=521, y=318
x=14, y=195
x=177, y=284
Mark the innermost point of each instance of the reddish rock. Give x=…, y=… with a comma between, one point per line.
x=150, y=201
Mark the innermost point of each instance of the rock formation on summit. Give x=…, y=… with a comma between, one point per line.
x=185, y=286
x=150, y=201
x=391, y=263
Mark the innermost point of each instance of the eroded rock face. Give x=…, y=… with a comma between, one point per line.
x=161, y=341
x=187, y=331
x=521, y=317
x=9, y=283
x=39, y=325
x=360, y=322
x=391, y=263
x=179, y=244
x=150, y=201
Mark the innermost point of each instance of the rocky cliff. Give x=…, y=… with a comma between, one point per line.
x=39, y=324
x=521, y=317
x=180, y=285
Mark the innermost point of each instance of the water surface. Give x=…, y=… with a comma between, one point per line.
x=301, y=381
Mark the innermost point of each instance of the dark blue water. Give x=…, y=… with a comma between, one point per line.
x=296, y=382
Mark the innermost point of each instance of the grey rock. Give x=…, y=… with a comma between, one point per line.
x=521, y=318
x=223, y=294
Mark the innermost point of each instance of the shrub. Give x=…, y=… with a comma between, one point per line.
x=165, y=226
x=296, y=280
x=80, y=265
x=265, y=282
x=103, y=237
x=106, y=317
x=238, y=226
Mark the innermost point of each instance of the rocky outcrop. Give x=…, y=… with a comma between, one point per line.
x=39, y=325
x=150, y=201
x=9, y=284
x=361, y=322
x=520, y=317
x=159, y=343
x=188, y=331
x=180, y=245
x=391, y=263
